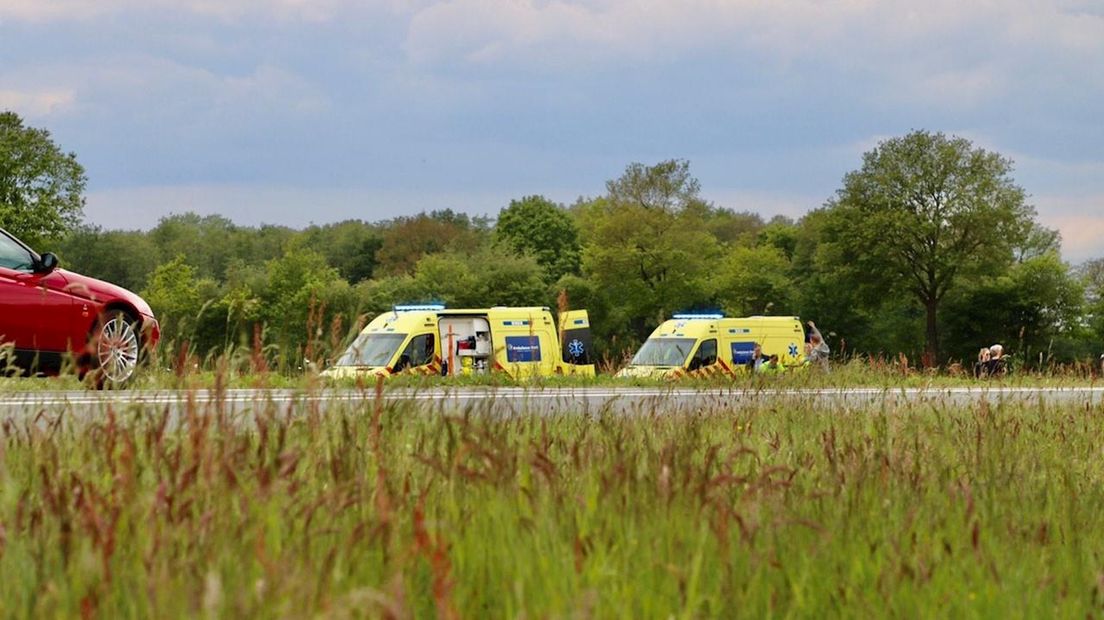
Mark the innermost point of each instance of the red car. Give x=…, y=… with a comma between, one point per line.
x=49, y=315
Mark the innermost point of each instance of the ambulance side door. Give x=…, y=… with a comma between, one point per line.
x=420, y=350
x=705, y=356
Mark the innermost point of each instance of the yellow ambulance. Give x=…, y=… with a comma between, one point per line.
x=709, y=344
x=430, y=339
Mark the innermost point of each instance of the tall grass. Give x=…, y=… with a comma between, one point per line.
x=243, y=370
x=381, y=510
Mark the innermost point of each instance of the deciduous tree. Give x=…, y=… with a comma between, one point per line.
x=539, y=227
x=646, y=247
x=923, y=212
x=407, y=239
x=755, y=281
x=41, y=187
x=1035, y=310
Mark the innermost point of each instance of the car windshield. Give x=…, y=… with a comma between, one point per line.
x=664, y=352
x=371, y=350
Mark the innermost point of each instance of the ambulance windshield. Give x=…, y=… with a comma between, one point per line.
x=664, y=352
x=371, y=350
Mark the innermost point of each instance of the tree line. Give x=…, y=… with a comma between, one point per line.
x=928, y=249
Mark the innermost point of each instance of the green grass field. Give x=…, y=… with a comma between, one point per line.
x=367, y=511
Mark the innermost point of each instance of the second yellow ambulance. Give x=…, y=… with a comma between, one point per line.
x=708, y=344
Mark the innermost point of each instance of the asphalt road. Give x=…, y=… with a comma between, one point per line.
x=514, y=401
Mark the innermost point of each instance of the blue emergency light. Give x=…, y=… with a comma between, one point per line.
x=691, y=317
x=418, y=307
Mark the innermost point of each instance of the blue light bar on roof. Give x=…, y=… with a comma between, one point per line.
x=419, y=307
x=711, y=317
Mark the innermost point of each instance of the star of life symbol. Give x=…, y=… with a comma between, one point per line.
x=793, y=349
x=575, y=348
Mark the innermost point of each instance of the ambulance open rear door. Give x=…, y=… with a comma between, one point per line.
x=576, y=342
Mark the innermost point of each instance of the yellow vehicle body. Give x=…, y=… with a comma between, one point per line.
x=705, y=345
x=520, y=342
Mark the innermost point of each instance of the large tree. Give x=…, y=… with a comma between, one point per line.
x=1036, y=309
x=924, y=213
x=755, y=281
x=646, y=245
x=41, y=187
x=1091, y=274
x=350, y=246
x=539, y=227
x=407, y=239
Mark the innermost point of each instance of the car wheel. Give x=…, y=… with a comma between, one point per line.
x=116, y=348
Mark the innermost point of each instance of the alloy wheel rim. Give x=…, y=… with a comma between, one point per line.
x=117, y=349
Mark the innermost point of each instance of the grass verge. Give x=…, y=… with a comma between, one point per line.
x=373, y=509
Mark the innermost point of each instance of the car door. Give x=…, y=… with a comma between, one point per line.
x=18, y=302
x=35, y=312
x=57, y=313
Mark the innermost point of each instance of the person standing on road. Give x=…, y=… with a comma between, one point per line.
x=816, y=351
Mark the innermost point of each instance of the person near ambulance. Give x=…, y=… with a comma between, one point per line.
x=771, y=367
x=757, y=359
x=816, y=350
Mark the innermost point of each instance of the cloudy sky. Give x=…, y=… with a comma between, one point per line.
x=299, y=111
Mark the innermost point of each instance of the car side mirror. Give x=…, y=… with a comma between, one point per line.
x=47, y=263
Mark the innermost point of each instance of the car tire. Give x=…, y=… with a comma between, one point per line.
x=115, y=350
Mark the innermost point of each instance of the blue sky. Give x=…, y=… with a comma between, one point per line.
x=299, y=111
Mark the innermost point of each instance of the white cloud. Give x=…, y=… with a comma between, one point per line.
x=227, y=10
x=36, y=104
x=482, y=31
x=1080, y=221
x=272, y=85
x=491, y=31
x=955, y=88
x=944, y=52
x=1060, y=172
x=793, y=28
x=765, y=203
x=149, y=86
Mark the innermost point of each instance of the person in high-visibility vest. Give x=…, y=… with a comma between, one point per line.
x=771, y=366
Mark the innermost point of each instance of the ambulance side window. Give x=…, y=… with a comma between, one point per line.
x=706, y=355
